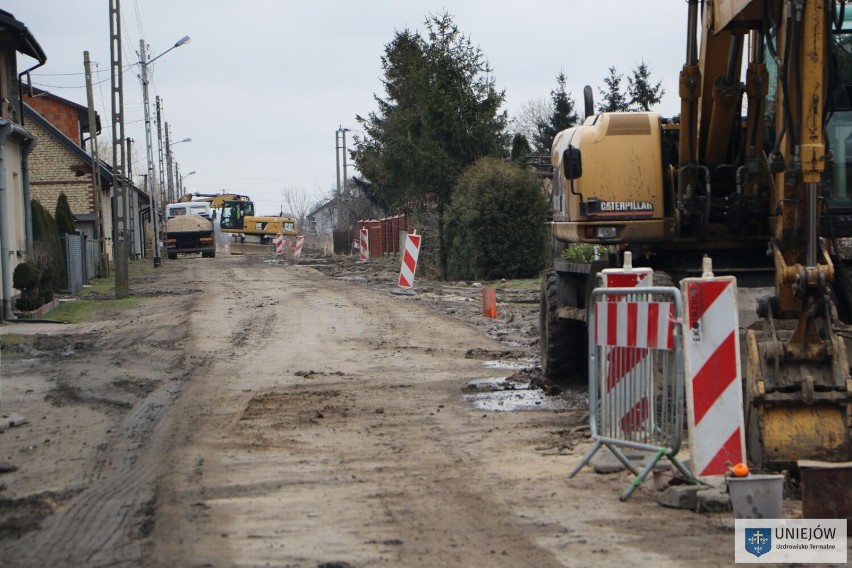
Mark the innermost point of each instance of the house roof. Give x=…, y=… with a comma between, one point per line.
x=105, y=169
x=82, y=111
x=24, y=41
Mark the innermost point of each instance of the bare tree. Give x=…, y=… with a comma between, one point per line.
x=532, y=116
x=298, y=202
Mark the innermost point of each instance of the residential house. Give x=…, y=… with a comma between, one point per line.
x=61, y=164
x=16, y=145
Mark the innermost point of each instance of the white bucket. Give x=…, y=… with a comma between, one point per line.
x=757, y=496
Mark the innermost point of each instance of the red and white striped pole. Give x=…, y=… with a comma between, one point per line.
x=279, y=243
x=626, y=406
x=409, y=261
x=364, y=244
x=297, y=253
x=713, y=374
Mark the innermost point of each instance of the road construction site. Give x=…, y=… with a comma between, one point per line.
x=251, y=411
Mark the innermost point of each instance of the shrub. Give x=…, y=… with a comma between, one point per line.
x=495, y=226
x=26, y=279
x=584, y=252
x=64, y=216
x=47, y=257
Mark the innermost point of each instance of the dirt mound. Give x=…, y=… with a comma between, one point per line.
x=188, y=224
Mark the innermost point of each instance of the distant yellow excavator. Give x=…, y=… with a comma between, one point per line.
x=236, y=216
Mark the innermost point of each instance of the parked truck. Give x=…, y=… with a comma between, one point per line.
x=189, y=229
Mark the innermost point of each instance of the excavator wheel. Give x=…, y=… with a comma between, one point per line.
x=563, y=342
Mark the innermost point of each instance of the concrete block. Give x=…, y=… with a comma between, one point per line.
x=713, y=500
x=680, y=497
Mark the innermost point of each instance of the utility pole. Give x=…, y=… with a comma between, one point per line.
x=161, y=178
x=131, y=211
x=150, y=154
x=119, y=200
x=96, y=170
x=173, y=194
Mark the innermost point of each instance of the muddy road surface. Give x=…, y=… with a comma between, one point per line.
x=244, y=412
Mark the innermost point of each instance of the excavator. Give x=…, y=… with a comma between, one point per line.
x=753, y=172
x=236, y=216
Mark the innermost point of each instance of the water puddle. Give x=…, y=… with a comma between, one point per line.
x=516, y=365
x=503, y=395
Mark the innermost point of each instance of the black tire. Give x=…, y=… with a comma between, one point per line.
x=172, y=256
x=563, y=342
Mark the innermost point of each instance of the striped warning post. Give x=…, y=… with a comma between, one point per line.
x=278, y=241
x=409, y=261
x=300, y=240
x=364, y=244
x=625, y=389
x=713, y=374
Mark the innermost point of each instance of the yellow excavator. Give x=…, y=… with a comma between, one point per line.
x=236, y=216
x=755, y=173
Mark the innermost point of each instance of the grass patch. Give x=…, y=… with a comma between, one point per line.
x=77, y=311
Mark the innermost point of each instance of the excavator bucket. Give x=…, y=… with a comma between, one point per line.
x=796, y=409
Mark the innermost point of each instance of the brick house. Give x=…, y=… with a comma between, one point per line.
x=16, y=144
x=61, y=164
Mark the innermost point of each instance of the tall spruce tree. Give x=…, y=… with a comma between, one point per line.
x=643, y=95
x=613, y=99
x=564, y=115
x=440, y=113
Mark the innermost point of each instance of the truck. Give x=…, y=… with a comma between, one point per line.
x=237, y=217
x=189, y=229
x=753, y=172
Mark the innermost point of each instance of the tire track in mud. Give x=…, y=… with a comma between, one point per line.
x=105, y=524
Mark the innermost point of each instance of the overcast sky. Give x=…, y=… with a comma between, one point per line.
x=264, y=84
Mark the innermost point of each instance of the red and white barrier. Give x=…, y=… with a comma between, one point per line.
x=297, y=253
x=409, y=261
x=713, y=375
x=642, y=325
x=364, y=244
x=278, y=241
x=627, y=406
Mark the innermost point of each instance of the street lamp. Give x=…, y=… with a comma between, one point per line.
x=144, y=62
x=180, y=181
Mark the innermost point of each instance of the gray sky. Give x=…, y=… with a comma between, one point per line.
x=264, y=84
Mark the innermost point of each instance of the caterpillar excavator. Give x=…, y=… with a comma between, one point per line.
x=236, y=216
x=755, y=173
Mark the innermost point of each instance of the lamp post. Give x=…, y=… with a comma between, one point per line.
x=144, y=62
x=171, y=186
x=180, y=180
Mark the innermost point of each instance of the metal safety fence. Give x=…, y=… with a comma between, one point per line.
x=636, y=379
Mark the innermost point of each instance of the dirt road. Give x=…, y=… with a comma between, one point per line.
x=249, y=413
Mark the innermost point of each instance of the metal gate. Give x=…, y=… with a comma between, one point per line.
x=636, y=381
x=74, y=247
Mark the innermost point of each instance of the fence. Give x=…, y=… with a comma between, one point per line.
x=636, y=380
x=81, y=260
x=384, y=233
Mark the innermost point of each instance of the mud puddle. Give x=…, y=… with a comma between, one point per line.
x=507, y=395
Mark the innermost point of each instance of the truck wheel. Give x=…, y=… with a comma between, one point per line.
x=562, y=342
x=172, y=256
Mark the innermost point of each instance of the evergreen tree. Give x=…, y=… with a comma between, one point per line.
x=520, y=148
x=564, y=115
x=642, y=93
x=613, y=99
x=64, y=216
x=441, y=113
